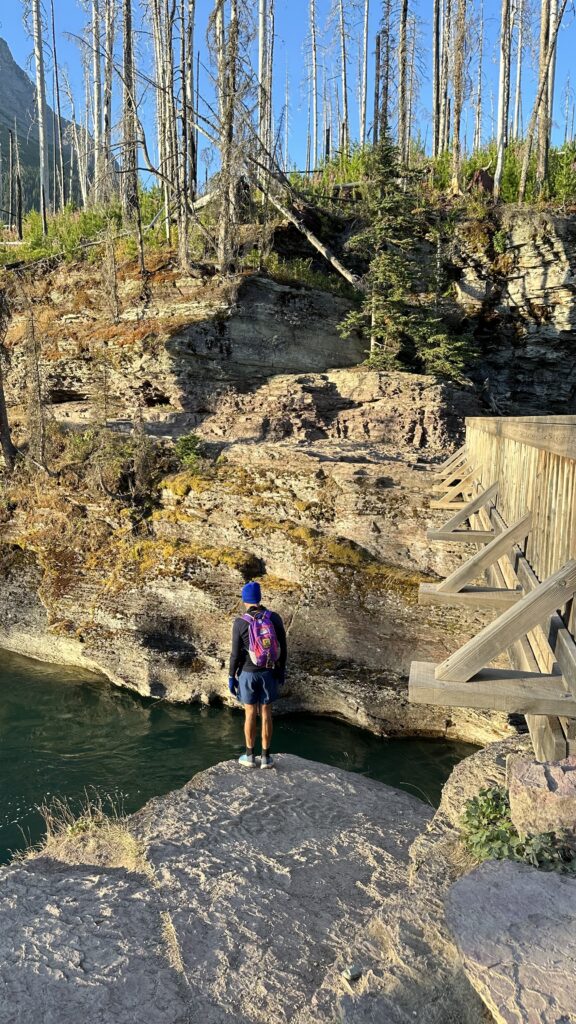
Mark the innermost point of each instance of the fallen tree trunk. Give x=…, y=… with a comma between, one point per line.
x=324, y=251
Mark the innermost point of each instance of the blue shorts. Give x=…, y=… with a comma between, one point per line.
x=259, y=687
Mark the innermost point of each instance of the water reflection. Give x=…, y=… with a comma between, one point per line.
x=64, y=730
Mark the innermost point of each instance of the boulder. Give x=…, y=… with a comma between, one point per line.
x=515, y=929
x=543, y=795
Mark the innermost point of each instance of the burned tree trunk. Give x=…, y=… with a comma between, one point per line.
x=9, y=450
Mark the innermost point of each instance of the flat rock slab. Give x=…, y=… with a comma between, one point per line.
x=81, y=945
x=268, y=875
x=256, y=886
x=515, y=928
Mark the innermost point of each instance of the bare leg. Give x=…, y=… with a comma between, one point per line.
x=250, y=723
x=266, y=712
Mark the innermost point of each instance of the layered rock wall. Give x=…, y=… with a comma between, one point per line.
x=516, y=280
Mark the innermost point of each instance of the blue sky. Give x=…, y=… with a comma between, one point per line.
x=290, y=58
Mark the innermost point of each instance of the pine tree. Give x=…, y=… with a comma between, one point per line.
x=396, y=313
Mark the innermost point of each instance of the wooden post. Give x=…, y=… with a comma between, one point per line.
x=486, y=556
x=515, y=622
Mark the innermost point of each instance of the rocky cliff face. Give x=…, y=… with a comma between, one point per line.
x=316, y=482
x=516, y=280
x=333, y=528
x=170, y=350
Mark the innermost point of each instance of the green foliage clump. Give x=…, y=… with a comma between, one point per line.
x=500, y=241
x=562, y=173
x=187, y=450
x=485, y=158
x=339, y=169
x=101, y=460
x=80, y=445
x=298, y=271
x=69, y=230
x=488, y=833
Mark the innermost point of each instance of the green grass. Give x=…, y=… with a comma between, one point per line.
x=298, y=271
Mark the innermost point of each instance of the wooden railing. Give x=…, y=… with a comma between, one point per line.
x=533, y=458
x=511, y=490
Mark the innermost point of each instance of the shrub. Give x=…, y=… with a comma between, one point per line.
x=80, y=445
x=488, y=833
x=187, y=450
x=563, y=173
x=91, y=831
x=500, y=241
x=69, y=229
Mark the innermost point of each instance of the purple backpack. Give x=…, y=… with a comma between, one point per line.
x=264, y=649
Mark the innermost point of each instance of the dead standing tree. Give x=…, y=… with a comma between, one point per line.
x=129, y=190
x=543, y=89
x=458, y=91
x=38, y=38
x=36, y=412
x=224, y=37
x=503, y=93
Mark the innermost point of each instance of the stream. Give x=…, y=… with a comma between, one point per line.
x=66, y=734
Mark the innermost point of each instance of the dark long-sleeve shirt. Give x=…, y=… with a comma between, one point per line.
x=240, y=660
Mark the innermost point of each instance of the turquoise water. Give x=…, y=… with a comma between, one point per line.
x=63, y=732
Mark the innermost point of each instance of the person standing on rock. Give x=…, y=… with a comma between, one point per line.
x=257, y=670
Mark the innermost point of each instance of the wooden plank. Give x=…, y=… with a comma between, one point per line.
x=564, y=649
x=528, y=693
x=569, y=727
x=546, y=732
x=499, y=635
x=467, y=536
x=461, y=478
x=479, y=598
x=563, y=643
x=489, y=494
x=486, y=556
x=451, y=504
x=547, y=433
x=451, y=458
x=547, y=737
